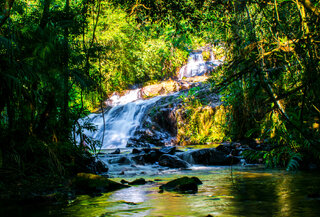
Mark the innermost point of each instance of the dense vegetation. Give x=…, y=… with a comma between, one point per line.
x=59, y=59
x=270, y=84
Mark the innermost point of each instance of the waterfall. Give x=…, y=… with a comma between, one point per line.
x=121, y=120
x=125, y=113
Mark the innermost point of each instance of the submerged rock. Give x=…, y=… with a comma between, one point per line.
x=182, y=185
x=172, y=161
x=87, y=183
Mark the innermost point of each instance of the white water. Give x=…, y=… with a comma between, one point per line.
x=196, y=66
x=121, y=121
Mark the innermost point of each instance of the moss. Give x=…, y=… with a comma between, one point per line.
x=88, y=183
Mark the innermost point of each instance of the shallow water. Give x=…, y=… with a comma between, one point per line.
x=242, y=191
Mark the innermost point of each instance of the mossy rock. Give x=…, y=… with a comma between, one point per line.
x=87, y=183
x=182, y=185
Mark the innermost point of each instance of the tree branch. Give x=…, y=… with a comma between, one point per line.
x=310, y=6
x=7, y=10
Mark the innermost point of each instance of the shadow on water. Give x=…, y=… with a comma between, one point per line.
x=244, y=192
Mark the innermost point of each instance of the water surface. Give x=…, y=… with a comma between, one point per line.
x=240, y=191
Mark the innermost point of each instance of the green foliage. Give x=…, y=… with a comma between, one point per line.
x=42, y=83
x=272, y=54
x=198, y=123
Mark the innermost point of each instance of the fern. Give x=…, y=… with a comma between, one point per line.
x=294, y=162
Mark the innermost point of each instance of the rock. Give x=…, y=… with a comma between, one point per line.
x=136, y=143
x=140, y=181
x=161, y=88
x=136, y=151
x=182, y=185
x=172, y=161
x=119, y=160
x=152, y=156
x=225, y=148
x=208, y=156
x=139, y=159
x=168, y=150
x=87, y=183
x=117, y=151
x=147, y=155
x=101, y=167
x=166, y=119
x=124, y=181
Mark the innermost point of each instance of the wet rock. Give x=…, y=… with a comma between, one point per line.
x=142, y=139
x=139, y=160
x=140, y=181
x=208, y=156
x=86, y=183
x=119, y=160
x=166, y=119
x=137, y=143
x=147, y=156
x=168, y=150
x=136, y=151
x=152, y=156
x=117, y=151
x=101, y=167
x=172, y=161
x=124, y=181
x=230, y=148
x=182, y=185
x=225, y=148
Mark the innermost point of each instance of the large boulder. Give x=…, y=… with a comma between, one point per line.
x=208, y=156
x=87, y=183
x=147, y=156
x=172, y=161
x=101, y=167
x=182, y=185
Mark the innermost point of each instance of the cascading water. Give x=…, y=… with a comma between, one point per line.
x=120, y=122
x=196, y=66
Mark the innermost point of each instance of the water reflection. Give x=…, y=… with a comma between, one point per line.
x=244, y=192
